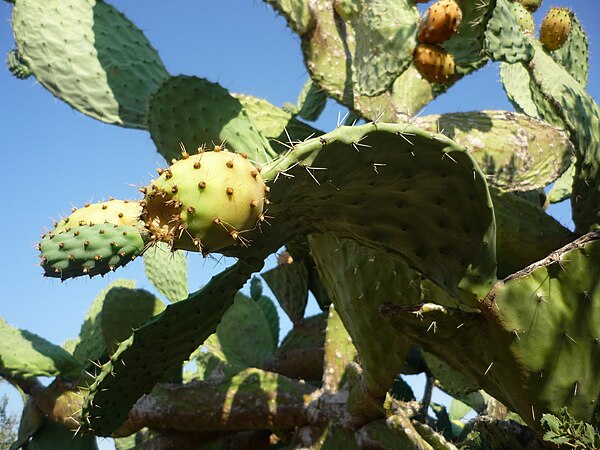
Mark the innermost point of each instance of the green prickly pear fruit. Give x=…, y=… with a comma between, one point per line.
x=92, y=249
x=439, y=22
x=434, y=63
x=17, y=66
x=118, y=212
x=205, y=202
x=524, y=17
x=531, y=5
x=555, y=28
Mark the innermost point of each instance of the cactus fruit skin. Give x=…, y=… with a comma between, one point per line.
x=205, y=202
x=524, y=17
x=434, y=63
x=555, y=28
x=89, y=250
x=530, y=5
x=440, y=22
x=118, y=212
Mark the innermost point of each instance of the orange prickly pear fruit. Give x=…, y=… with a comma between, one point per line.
x=555, y=28
x=439, y=22
x=434, y=63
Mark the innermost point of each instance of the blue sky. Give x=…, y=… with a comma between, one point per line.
x=54, y=157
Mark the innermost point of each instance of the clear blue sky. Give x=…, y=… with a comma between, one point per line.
x=54, y=157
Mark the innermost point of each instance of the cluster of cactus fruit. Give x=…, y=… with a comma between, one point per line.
x=483, y=292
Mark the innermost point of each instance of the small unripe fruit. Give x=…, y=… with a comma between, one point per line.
x=434, y=63
x=439, y=22
x=531, y=5
x=555, y=28
x=524, y=18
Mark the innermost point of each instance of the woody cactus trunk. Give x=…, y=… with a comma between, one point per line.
x=424, y=240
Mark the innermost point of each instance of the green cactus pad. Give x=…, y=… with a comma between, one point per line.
x=90, y=346
x=574, y=55
x=243, y=338
x=289, y=283
x=274, y=123
x=26, y=355
x=516, y=152
x=124, y=310
x=343, y=175
x=269, y=310
x=205, y=202
x=159, y=347
x=89, y=250
x=54, y=436
x=118, y=212
x=581, y=116
x=467, y=44
x=385, y=34
x=91, y=56
x=550, y=312
x=561, y=190
x=339, y=352
x=167, y=271
x=296, y=12
x=358, y=279
x=504, y=39
x=311, y=101
x=193, y=112
x=542, y=324
x=525, y=233
x=515, y=81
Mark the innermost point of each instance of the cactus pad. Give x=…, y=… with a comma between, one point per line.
x=516, y=152
x=71, y=47
x=555, y=28
x=26, y=355
x=205, y=202
x=89, y=250
x=191, y=112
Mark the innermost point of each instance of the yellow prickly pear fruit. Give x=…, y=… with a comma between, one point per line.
x=555, y=28
x=117, y=212
x=439, y=22
x=205, y=202
x=434, y=63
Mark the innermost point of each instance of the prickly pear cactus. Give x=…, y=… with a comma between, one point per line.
x=425, y=240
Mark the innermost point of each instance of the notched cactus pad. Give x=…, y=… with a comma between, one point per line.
x=205, y=202
x=91, y=56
